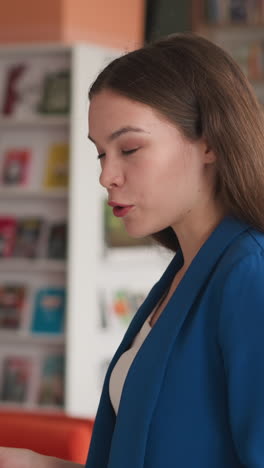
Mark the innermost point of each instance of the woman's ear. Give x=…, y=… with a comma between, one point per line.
x=209, y=155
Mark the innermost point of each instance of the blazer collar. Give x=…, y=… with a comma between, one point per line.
x=197, y=273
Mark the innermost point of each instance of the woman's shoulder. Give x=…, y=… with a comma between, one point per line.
x=238, y=289
x=237, y=279
x=255, y=240
x=250, y=242
x=245, y=252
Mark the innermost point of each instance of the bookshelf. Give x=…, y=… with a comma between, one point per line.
x=30, y=360
x=26, y=268
x=238, y=27
x=104, y=283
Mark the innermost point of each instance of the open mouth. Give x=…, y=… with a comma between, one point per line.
x=121, y=211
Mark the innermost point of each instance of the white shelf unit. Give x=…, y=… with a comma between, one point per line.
x=26, y=128
x=42, y=122
x=13, y=193
x=90, y=268
x=21, y=265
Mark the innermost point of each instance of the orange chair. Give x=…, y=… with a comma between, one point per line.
x=51, y=434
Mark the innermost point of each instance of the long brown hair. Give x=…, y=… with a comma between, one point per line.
x=200, y=88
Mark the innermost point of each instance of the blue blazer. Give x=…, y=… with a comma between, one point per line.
x=194, y=395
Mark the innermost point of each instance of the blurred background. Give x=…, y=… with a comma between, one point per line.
x=70, y=277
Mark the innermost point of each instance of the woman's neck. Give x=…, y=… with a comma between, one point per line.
x=194, y=231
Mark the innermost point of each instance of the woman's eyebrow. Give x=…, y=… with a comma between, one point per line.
x=121, y=131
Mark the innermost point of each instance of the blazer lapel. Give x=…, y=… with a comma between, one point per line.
x=145, y=376
x=105, y=420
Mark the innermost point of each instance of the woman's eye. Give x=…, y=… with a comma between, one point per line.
x=100, y=156
x=130, y=151
x=125, y=152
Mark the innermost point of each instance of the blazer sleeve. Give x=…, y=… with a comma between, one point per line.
x=241, y=339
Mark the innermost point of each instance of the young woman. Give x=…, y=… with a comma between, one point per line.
x=180, y=138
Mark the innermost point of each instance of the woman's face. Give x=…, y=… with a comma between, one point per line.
x=152, y=173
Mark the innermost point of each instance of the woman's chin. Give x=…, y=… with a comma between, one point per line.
x=137, y=233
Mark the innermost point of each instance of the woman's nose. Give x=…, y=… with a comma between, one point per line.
x=111, y=175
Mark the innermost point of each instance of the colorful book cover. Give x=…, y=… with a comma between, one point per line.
x=12, y=96
x=239, y=11
x=51, y=389
x=12, y=299
x=28, y=237
x=115, y=234
x=56, y=93
x=255, y=61
x=49, y=311
x=125, y=304
x=57, y=167
x=213, y=11
x=16, y=378
x=119, y=307
x=57, y=241
x=8, y=229
x=16, y=166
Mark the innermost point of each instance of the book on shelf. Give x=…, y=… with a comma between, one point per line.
x=28, y=237
x=16, y=377
x=12, y=95
x=57, y=241
x=12, y=300
x=51, y=388
x=57, y=166
x=15, y=168
x=256, y=61
x=119, y=307
x=49, y=311
x=115, y=234
x=216, y=11
x=55, y=97
x=250, y=57
x=235, y=11
x=238, y=10
x=8, y=229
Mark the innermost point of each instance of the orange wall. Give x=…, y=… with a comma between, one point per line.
x=119, y=23
x=24, y=20
x=114, y=23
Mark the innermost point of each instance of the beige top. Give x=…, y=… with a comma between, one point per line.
x=119, y=372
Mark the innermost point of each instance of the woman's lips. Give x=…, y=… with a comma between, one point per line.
x=121, y=211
